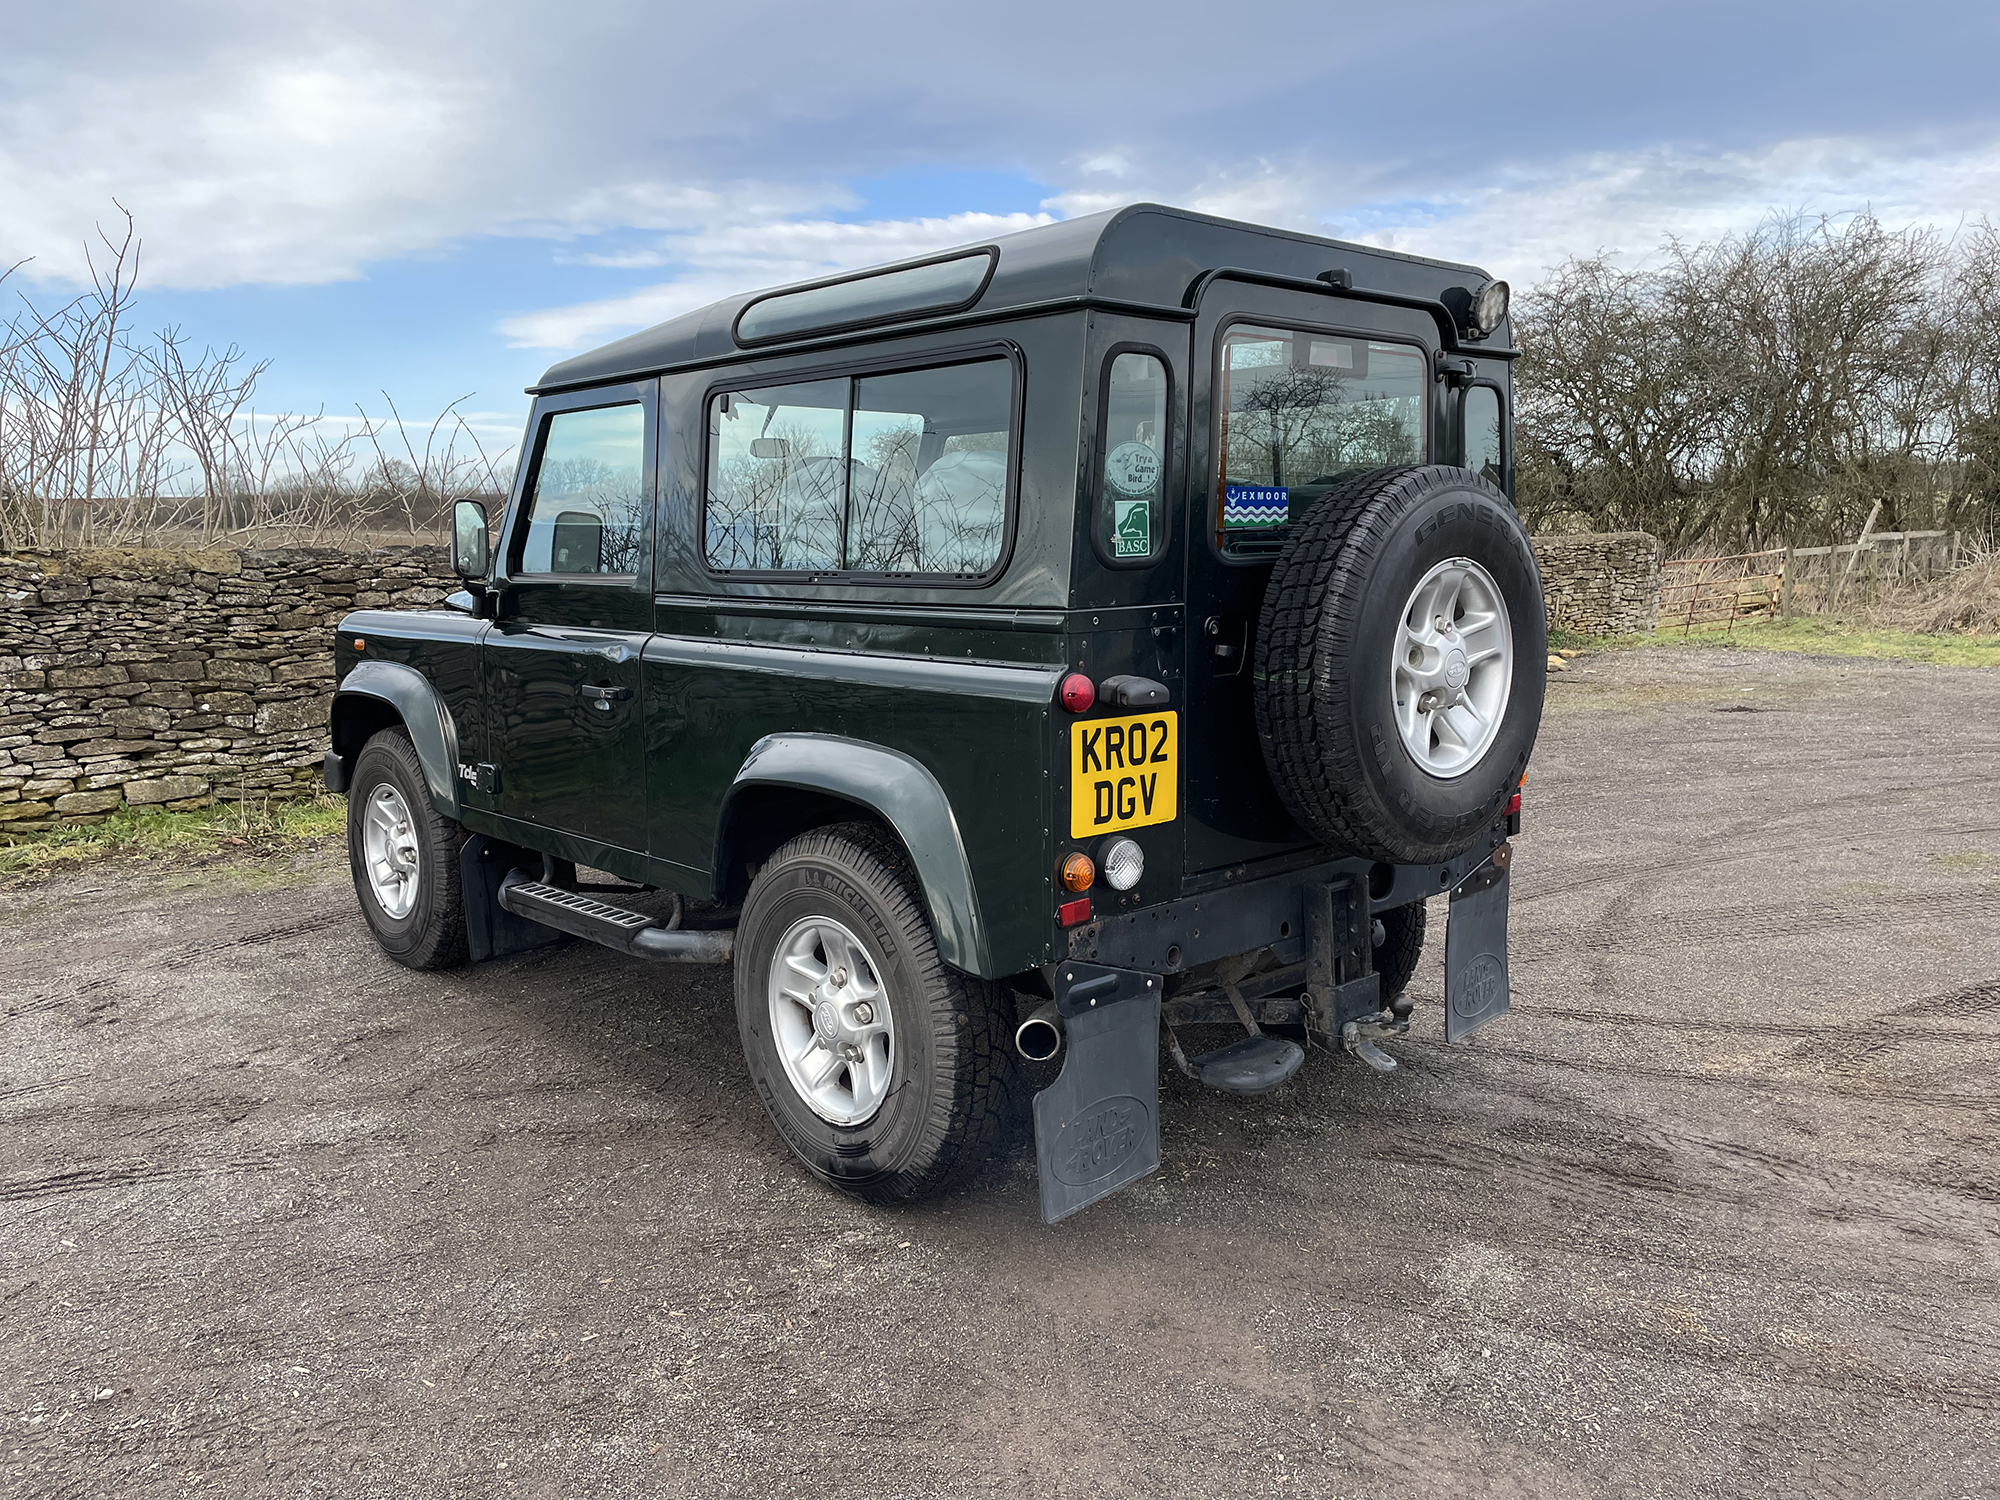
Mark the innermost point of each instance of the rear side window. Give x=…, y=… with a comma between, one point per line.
x=1481, y=414
x=587, y=493
x=899, y=474
x=1131, y=506
x=1299, y=412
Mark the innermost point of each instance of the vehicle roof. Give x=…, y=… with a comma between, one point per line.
x=1145, y=254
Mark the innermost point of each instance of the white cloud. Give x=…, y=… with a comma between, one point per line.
x=1629, y=204
x=739, y=257
x=281, y=172
x=1532, y=215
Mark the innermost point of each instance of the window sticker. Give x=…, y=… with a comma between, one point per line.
x=1132, y=528
x=1132, y=468
x=1249, y=506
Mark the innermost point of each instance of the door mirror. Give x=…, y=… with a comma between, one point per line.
x=469, y=557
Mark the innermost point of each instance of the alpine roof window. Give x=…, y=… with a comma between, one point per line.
x=903, y=474
x=1480, y=419
x=938, y=286
x=1131, y=508
x=1301, y=411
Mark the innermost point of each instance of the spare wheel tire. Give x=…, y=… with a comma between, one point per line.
x=1401, y=660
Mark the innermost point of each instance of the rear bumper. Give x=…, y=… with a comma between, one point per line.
x=1261, y=913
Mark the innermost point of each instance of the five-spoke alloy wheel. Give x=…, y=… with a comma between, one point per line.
x=389, y=847
x=835, y=1032
x=1452, y=667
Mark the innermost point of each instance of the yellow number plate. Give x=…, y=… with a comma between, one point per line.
x=1123, y=773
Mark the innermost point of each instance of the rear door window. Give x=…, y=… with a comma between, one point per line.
x=1300, y=411
x=901, y=474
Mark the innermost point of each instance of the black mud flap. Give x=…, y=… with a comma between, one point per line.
x=1475, y=950
x=1097, y=1127
x=492, y=931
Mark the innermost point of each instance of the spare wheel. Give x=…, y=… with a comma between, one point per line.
x=1401, y=659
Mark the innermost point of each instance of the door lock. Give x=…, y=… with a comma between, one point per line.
x=1226, y=641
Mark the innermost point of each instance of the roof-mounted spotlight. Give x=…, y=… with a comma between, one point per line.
x=1477, y=313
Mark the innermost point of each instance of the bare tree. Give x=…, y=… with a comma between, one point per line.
x=1766, y=387
x=107, y=435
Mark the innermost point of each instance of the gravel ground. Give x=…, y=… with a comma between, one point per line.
x=1714, y=1213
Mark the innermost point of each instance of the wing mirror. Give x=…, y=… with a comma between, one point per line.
x=469, y=555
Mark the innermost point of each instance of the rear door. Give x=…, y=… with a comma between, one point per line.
x=1292, y=390
x=572, y=617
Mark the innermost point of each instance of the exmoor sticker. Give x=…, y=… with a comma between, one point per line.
x=1246, y=506
x=1123, y=773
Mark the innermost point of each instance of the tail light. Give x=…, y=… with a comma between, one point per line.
x=1078, y=693
x=1071, y=913
x=1078, y=872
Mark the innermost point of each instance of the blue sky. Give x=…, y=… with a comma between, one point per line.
x=440, y=200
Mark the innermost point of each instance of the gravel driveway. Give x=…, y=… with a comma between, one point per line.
x=1715, y=1213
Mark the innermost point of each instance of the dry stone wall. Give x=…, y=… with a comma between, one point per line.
x=163, y=678
x=1601, y=583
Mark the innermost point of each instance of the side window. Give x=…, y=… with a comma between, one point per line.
x=1480, y=419
x=1131, y=506
x=902, y=474
x=1301, y=410
x=587, y=495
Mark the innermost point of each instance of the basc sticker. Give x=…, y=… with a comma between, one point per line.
x=1132, y=528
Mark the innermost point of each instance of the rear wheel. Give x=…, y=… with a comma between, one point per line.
x=404, y=855
x=887, y=1072
x=1400, y=663
x=1401, y=945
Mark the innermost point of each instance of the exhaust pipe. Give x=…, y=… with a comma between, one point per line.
x=1040, y=1037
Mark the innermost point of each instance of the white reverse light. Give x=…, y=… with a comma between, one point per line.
x=1122, y=865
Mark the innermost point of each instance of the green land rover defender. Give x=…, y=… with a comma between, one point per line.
x=995, y=657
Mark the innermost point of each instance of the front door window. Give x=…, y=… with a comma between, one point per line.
x=587, y=494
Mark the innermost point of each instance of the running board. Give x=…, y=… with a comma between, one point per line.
x=613, y=926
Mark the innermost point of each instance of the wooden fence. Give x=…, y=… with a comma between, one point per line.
x=1782, y=581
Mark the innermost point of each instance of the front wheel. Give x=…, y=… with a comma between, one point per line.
x=404, y=854
x=886, y=1071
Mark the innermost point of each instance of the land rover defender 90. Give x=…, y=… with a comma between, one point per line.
x=1007, y=660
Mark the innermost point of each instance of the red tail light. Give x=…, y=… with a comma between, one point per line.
x=1078, y=693
x=1514, y=803
x=1070, y=913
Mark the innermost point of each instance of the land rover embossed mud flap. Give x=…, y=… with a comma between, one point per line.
x=1097, y=1127
x=1475, y=949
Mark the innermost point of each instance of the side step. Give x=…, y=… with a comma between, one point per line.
x=613, y=926
x=1252, y=1065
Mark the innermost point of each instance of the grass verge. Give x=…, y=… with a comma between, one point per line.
x=229, y=830
x=1816, y=635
